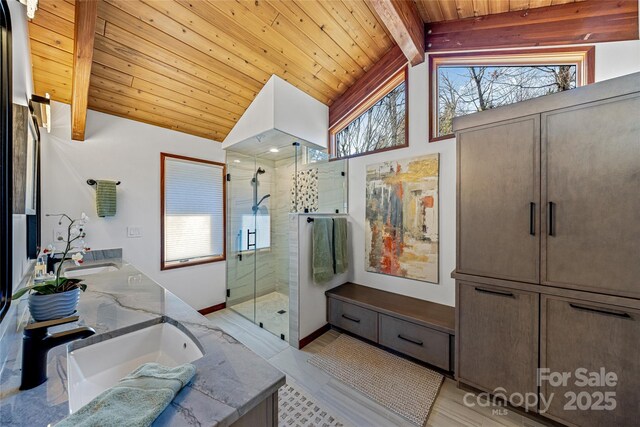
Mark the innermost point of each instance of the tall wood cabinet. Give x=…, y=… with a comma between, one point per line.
x=548, y=250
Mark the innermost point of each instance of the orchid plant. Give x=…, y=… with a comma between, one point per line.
x=74, y=242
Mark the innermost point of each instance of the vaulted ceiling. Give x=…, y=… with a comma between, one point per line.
x=195, y=65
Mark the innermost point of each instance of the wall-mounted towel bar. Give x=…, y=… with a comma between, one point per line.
x=309, y=219
x=93, y=182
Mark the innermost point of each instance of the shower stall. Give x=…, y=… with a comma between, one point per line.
x=269, y=180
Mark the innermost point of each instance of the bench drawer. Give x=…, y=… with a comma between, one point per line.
x=422, y=343
x=355, y=319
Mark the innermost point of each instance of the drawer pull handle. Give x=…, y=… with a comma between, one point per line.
x=552, y=220
x=411, y=340
x=353, y=319
x=532, y=219
x=601, y=311
x=491, y=291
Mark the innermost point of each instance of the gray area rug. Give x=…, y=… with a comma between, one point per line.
x=399, y=385
x=296, y=409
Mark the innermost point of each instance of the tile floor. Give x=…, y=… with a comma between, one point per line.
x=268, y=310
x=346, y=403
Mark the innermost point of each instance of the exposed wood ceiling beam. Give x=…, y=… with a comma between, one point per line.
x=402, y=19
x=86, y=13
x=591, y=21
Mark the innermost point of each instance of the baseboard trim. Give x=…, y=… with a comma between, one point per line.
x=213, y=308
x=308, y=339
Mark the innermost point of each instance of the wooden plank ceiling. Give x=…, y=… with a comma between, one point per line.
x=194, y=65
x=450, y=10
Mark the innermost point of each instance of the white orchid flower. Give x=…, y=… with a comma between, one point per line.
x=84, y=217
x=77, y=258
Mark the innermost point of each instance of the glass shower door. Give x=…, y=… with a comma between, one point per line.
x=240, y=226
x=265, y=266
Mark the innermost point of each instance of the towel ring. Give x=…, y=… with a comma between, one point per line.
x=93, y=182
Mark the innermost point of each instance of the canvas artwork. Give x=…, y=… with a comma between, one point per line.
x=402, y=218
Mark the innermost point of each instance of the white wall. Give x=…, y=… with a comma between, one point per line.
x=22, y=80
x=307, y=298
x=281, y=106
x=612, y=60
x=127, y=151
x=299, y=114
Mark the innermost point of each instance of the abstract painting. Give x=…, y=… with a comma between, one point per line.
x=402, y=218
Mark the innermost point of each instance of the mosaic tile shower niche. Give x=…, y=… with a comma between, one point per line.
x=305, y=199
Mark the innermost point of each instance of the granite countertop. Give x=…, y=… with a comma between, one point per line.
x=230, y=379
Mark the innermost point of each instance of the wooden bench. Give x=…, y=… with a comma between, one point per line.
x=421, y=329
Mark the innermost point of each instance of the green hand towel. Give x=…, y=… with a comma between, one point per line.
x=322, y=250
x=105, y=198
x=340, y=245
x=136, y=400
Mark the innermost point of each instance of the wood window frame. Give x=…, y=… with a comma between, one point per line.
x=166, y=265
x=393, y=81
x=581, y=56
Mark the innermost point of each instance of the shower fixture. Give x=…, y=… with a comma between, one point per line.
x=257, y=205
x=254, y=182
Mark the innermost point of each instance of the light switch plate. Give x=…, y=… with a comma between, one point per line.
x=134, y=231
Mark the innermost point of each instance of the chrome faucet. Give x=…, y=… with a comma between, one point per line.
x=36, y=343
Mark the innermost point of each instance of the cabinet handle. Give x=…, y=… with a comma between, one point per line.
x=600, y=310
x=552, y=225
x=353, y=319
x=532, y=219
x=411, y=340
x=491, y=291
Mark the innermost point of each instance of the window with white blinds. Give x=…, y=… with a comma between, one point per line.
x=193, y=211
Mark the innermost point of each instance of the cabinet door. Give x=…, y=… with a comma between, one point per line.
x=595, y=338
x=497, y=338
x=498, y=200
x=591, y=191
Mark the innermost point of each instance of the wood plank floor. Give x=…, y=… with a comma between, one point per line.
x=343, y=401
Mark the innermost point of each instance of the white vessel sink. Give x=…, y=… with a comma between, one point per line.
x=97, y=367
x=72, y=272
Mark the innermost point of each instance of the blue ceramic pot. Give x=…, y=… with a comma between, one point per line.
x=53, y=306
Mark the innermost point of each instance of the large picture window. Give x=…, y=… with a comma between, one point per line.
x=379, y=123
x=466, y=83
x=193, y=211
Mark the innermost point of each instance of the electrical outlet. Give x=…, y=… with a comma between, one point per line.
x=134, y=231
x=59, y=234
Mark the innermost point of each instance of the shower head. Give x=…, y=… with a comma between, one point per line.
x=263, y=198
x=259, y=171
